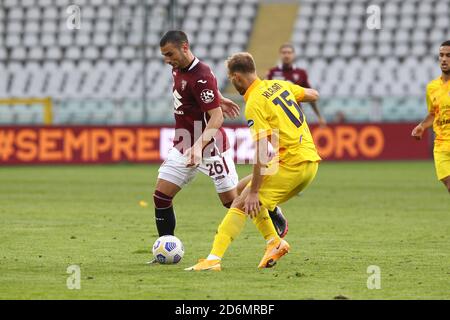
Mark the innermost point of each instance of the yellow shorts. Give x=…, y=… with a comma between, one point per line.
x=286, y=183
x=442, y=163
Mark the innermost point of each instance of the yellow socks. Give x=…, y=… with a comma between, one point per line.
x=232, y=225
x=230, y=228
x=264, y=224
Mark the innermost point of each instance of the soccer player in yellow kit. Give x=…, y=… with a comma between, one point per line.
x=438, y=101
x=274, y=116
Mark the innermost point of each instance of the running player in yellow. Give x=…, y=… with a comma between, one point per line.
x=274, y=116
x=438, y=101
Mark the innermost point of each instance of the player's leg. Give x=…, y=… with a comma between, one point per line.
x=274, y=188
x=230, y=228
x=228, y=197
x=223, y=172
x=232, y=225
x=308, y=173
x=165, y=218
x=446, y=182
x=442, y=165
x=173, y=175
x=279, y=221
x=278, y=188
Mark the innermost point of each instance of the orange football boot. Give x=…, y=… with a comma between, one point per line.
x=204, y=265
x=276, y=248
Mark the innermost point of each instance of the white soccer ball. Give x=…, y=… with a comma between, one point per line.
x=168, y=250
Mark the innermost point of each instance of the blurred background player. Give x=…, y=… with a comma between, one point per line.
x=287, y=71
x=438, y=102
x=273, y=115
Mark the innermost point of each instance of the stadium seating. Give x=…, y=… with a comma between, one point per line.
x=96, y=74
x=103, y=61
x=346, y=59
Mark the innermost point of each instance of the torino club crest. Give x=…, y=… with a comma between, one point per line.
x=207, y=96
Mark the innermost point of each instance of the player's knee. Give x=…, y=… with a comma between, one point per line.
x=446, y=182
x=161, y=200
x=238, y=203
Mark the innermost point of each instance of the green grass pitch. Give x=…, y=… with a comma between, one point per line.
x=394, y=215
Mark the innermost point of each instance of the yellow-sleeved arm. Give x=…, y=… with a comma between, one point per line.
x=257, y=120
x=299, y=92
x=430, y=105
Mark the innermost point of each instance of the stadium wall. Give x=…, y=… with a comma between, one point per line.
x=92, y=145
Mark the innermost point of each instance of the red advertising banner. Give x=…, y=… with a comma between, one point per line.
x=383, y=141
x=84, y=145
x=34, y=145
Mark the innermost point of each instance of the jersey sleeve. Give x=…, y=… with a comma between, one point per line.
x=299, y=92
x=269, y=75
x=257, y=120
x=205, y=92
x=429, y=101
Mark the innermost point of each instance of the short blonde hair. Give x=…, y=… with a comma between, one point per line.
x=241, y=62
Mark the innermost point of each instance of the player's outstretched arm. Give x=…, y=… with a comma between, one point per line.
x=230, y=109
x=421, y=127
x=322, y=121
x=311, y=95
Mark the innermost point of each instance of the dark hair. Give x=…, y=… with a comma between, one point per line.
x=445, y=43
x=177, y=37
x=287, y=45
x=241, y=62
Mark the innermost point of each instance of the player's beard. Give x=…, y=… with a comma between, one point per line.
x=184, y=61
x=241, y=90
x=444, y=65
x=238, y=88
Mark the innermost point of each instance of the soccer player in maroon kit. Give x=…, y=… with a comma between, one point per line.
x=289, y=72
x=200, y=143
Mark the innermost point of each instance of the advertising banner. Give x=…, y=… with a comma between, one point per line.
x=113, y=144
